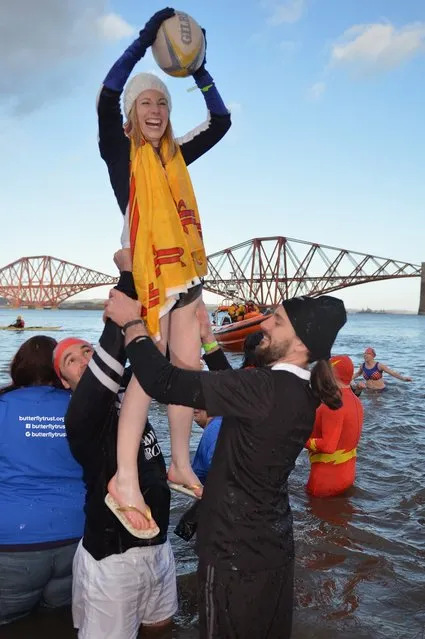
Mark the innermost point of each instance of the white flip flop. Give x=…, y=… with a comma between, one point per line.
x=183, y=489
x=119, y=514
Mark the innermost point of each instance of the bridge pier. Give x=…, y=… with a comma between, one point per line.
x=422, y=296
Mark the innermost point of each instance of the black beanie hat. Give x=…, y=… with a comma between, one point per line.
x=316, y=321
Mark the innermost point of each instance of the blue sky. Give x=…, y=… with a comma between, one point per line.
x=327, y=143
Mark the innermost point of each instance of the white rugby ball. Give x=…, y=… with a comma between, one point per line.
x=179, y=48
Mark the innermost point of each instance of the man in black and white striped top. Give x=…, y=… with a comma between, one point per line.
x=120, y=581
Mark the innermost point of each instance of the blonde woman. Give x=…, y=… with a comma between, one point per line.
x=148, y=172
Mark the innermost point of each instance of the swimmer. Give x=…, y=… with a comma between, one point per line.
x=333, y=443
x=372, y=372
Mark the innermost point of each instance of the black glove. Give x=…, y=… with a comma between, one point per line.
x=149, y=32
x=188, y=523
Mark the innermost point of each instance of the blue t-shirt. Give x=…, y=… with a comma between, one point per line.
x=205, y=451
x=41, y=487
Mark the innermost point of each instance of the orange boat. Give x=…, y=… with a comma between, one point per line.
x=231, y=336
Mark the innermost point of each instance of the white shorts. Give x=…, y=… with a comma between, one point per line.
x=113, y=597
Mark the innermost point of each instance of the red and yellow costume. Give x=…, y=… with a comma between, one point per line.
x=333, y=443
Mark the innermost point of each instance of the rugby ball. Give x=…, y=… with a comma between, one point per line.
x=179, y=48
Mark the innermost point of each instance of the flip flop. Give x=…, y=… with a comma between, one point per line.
x=118, y=512
x=186, y=490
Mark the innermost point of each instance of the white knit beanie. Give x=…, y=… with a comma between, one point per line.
x=143, y=82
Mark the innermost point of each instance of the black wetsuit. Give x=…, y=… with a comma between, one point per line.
x=244, y=537
x=91, y=426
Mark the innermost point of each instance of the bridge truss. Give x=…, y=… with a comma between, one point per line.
x=265, y=270
x=270, y=269
x=44, y=282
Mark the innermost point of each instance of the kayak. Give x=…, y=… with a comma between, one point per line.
x=231, y=337
x=31, y=328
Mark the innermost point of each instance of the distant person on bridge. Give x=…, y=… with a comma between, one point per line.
x=333, y=444
x=19, y=323
x=372, y=372
x=148, y=171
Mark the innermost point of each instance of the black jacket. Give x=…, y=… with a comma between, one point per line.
x=91, y=426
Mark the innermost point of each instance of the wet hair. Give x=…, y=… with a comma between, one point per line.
x=250, y=344
x=32, y=364
x=324, y=385
x=133, y=130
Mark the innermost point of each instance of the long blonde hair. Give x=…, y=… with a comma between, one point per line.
x=133, y=131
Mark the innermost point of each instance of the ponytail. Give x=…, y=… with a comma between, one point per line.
x=324, y=385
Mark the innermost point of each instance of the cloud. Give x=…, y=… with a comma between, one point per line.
x=112, y=27
x=287, y=12
x=316, y=91
x=371, y=48
x=38, y=37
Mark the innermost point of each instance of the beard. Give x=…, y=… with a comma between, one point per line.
x=271, y=353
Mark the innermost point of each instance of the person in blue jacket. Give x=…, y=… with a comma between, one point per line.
x=41, y=487
x=205, y=451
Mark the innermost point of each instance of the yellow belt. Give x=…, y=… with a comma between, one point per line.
x=338, y=457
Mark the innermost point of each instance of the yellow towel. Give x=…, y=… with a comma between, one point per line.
x=165, y=232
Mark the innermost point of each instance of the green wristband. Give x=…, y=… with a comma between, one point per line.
x=210, y=347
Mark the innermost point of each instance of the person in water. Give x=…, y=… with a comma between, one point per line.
x=215, y=360
x=211, y=425
x=372, y=372
x=41, y=487
x=336, y=433
x=148, y=171
x=120, y=581
x=19, y=323
x=245, y=536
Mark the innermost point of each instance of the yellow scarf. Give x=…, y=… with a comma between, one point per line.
x=165, y=232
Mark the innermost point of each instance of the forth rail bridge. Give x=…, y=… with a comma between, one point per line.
x=264, y=269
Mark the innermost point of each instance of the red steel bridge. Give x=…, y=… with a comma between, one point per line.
x=265, y=270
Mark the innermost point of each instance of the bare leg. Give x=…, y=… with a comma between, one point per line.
x=124, y=486
x=185, y=346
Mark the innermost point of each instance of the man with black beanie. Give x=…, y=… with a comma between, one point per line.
x=244, y=538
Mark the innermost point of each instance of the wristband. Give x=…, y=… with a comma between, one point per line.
x=132, y=323
x=210, y=347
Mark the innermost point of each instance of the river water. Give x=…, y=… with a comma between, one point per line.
x=360, y=570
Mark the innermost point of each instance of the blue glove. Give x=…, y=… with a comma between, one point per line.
x=119, y=73
x=202, y=67
x=148, y=34
x=205, y=82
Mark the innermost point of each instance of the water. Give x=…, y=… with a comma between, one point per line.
x=360, y=558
